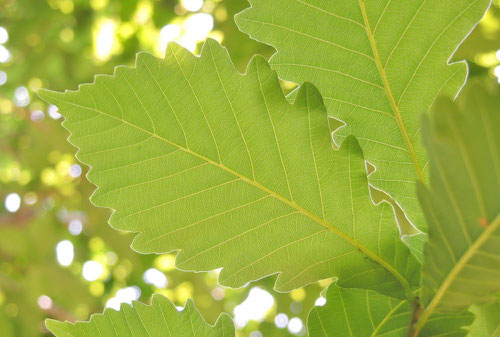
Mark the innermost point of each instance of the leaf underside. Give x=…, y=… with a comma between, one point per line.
x=379, y=64
x=364, y=313
x=462, y=257
x=197, y=157
x=160, y=319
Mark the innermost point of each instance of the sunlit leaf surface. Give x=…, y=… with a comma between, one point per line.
x=160, y=319
x=195, y=156
x=379, y=65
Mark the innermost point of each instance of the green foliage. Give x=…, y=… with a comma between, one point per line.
x=461, y=260
x=161, y=318
x=378, y=70
x=365, y=313
x=295, y=207
x=220, y=168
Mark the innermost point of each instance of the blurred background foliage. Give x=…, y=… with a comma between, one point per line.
x=58, y=257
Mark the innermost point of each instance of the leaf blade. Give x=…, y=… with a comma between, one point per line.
x=271, y=162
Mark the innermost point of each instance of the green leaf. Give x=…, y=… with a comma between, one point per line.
x=366, y=313
x=160, y=319
x=379, y=65
x=462, y=257
x=487, y=323
x=197, y=157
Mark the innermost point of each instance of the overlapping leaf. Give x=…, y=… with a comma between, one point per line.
x=197, y=157
x=365, y=313
x=462, y=257
x=416, y=244
x=379, y=65
x=160, y=319
x=487, y=322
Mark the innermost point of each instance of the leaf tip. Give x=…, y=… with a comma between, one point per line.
x=258, y=61
x=48, y=95
x=351, y=141
x=140, y=244
x=309, y=95
x=54, y=326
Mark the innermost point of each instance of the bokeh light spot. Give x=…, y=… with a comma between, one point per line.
x=192, y=5
x=167, y=34
x=21, y=96
x=218, y=293
x=3, y=77
x=4, y=35
x=104, y=40
x=199, y=25
x=320, y=301
x=75, y=227
x=75, y=171
x=255, y=307
x=165, y=262
x=65, y=253
x=12, y=202
x=255, y=334
x=295, y=325
x=92, y=270
x=298, y=295
x=4, y=54
x=53, y=112
x=44, y=302
x=281, y=320
x=125, y=295
x=497, y=73
x=155, y=277
x=30, y=198
x=37, y=115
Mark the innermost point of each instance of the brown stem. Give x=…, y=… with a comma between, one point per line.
x=416, y=312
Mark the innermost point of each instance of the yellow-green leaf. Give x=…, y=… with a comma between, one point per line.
x=197, y=157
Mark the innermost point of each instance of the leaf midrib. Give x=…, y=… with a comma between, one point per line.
x=455, y=271
x=404, y=283
x=389, y=94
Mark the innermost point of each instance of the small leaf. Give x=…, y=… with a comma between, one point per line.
x=364, y=313
x=199, y=158
x=379, y=65
x=160, y=319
